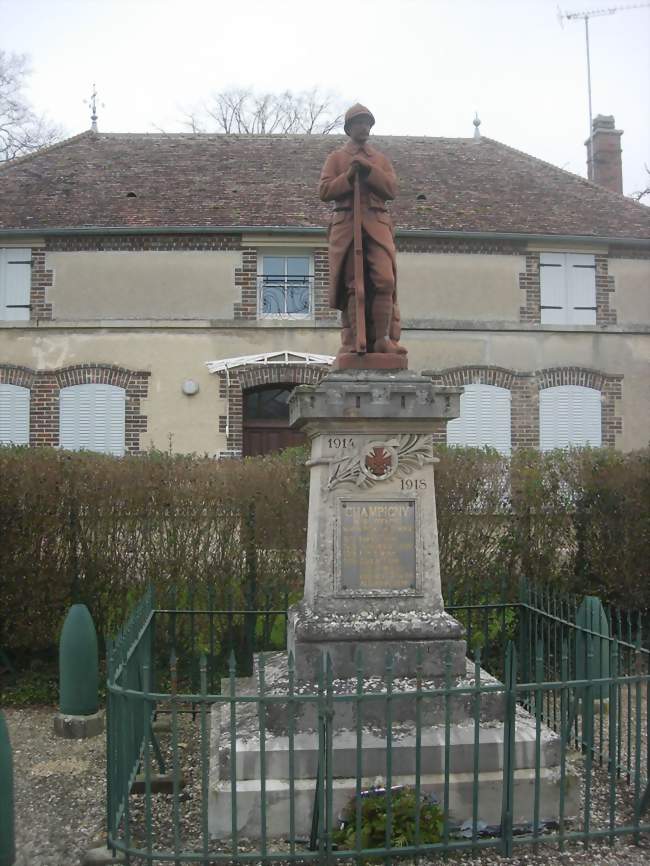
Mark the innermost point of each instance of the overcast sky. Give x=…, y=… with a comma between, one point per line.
x=423, y=66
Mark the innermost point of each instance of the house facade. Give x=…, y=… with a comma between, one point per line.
x=169, y=291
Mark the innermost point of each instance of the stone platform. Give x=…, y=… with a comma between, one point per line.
x=462, y=733
x=344, y=711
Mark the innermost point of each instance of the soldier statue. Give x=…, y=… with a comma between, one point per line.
x=358, y=163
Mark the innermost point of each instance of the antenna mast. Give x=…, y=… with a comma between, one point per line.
x=586, y=15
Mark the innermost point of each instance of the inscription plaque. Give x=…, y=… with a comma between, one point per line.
x=378, y=544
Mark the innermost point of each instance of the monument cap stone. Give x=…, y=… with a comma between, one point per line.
x=394, y=397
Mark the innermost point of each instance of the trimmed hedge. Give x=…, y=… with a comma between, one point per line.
x=91, y=528
x=576, y=521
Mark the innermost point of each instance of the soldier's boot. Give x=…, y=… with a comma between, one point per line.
x=383, y=318
x=347, y=342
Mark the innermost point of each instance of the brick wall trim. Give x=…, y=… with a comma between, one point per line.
x=609, y=385
x=525, y=387
x=42, y=280
x=246, y=282
x=137, y=243
x=529, y=283
x=14, y=375
x=45, y=388
x=252, y=376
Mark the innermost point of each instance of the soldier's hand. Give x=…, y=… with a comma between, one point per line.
x=352, y=170
x=363, y=166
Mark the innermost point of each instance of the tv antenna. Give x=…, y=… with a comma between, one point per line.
x=585, y=16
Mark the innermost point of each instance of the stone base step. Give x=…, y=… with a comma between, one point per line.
x=346, y=707
x=461, y=788
x=373, y=760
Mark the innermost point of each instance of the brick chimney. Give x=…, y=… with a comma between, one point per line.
x=604, y=164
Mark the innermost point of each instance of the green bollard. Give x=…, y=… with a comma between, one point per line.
x=78, y=677
x=592, y=654
x=7, y=839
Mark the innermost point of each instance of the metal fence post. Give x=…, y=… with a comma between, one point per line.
x=7, y=840
x=510, y=683
x=250, y=592
x=110, y=760
x=524, y=633
x=329, y=760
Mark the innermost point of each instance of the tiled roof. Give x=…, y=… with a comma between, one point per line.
x=228, y=180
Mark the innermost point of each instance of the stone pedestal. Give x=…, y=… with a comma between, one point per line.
x=372, y=578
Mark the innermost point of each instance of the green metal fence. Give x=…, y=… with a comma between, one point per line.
x=171, y=672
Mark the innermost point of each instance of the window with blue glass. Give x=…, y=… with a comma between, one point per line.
x=285, y=286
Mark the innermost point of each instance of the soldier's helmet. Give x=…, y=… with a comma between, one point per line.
x=357, y=111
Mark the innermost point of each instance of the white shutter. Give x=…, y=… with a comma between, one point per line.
x=553, y=292
x=567, y=284
x=16, y=277
x=461, y=431
x=92, y=417
x=14, y=415
x=569, y=415
x=484, y=418
x=581, y=286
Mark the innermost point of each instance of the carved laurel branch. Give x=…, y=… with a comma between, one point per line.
x=413, y=452
x=347, y=469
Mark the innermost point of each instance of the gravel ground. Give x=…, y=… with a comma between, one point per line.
x=59, y=790
x=60, y=802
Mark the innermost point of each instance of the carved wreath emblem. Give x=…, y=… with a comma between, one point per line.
x=378, y=461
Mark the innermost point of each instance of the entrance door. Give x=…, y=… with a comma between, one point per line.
x=266, y=421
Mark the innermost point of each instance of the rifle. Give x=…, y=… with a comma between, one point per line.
x=359, y=287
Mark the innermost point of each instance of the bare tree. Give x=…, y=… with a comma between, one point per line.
x=21, y=129
x=640, y=194
x=242, y=111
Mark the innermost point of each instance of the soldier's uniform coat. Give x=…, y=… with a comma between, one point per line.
x=379, y=186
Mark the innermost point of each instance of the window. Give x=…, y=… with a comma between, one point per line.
x=14, y=415
x=267, y=403
x=15, y=284
x=93, y=417
x=285, y=285
x=484, y=418
x=568, y=289
x=569, y=415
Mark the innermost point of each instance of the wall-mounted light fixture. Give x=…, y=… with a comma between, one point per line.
x=190, y=387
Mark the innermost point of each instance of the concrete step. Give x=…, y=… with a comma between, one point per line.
x=461, y=789
x=344, y=751
x=373, y=710
x=253, y=716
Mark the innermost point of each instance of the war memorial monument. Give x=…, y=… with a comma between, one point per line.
x=372, y=609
